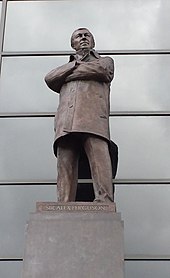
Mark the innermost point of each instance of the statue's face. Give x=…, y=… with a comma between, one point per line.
x=82, y=39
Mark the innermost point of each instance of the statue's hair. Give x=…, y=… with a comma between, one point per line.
x=82, y=28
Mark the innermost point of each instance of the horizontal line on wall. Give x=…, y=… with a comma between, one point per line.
x=127, y=258
x=112, y=114
x=27, y=115
x=147, y=258
x=139, y=113
x=115, y=181
x=102, y=52
x=11, y=259
x=33, y=0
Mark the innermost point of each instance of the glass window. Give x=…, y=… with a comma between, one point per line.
x=132, y=269
x=10, y=269
x=146, y=225
x=23, y=88
x=144, y=210
x=47, y=25
x=141, y=83
x=144, y=149
x=17, y=203
x=26, y=148
x=146, y=269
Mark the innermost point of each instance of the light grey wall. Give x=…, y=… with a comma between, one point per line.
x=125, y=24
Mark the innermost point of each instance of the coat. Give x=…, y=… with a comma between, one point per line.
x=84, y=106
x=84, y=95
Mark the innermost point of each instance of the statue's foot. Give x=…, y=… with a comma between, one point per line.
x=103, y=200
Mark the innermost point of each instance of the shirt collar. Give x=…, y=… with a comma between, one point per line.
x=91, y=52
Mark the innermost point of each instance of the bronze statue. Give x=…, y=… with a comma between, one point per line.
x=82, y=118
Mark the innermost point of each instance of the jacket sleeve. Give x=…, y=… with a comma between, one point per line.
x=56, y=78
x=101, y=70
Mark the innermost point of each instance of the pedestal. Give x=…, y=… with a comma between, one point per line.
x=74, y=240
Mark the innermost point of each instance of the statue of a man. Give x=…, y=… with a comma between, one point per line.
x=82, y=118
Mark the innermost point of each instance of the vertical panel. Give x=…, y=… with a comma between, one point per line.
x=0, y=8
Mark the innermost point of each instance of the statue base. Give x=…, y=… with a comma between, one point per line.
x=73, y=240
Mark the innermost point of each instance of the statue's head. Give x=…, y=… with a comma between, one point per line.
x=82, y=39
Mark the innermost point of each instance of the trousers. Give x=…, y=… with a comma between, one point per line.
x=68, y=152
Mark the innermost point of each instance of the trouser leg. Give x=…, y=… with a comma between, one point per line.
x=101, y=170
x=67, y=167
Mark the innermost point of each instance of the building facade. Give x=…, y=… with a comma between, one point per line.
x=34, y=38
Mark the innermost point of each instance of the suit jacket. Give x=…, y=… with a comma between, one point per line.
x=84, y=88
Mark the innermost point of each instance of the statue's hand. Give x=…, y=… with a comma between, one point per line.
x=79, y=62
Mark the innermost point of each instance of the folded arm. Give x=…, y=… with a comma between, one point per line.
x=101, y=70
x=56, y=78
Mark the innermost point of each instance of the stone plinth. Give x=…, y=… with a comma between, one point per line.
x=74, y=240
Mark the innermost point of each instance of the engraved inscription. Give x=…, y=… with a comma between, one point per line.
x=54, y=207
x=75, y=208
